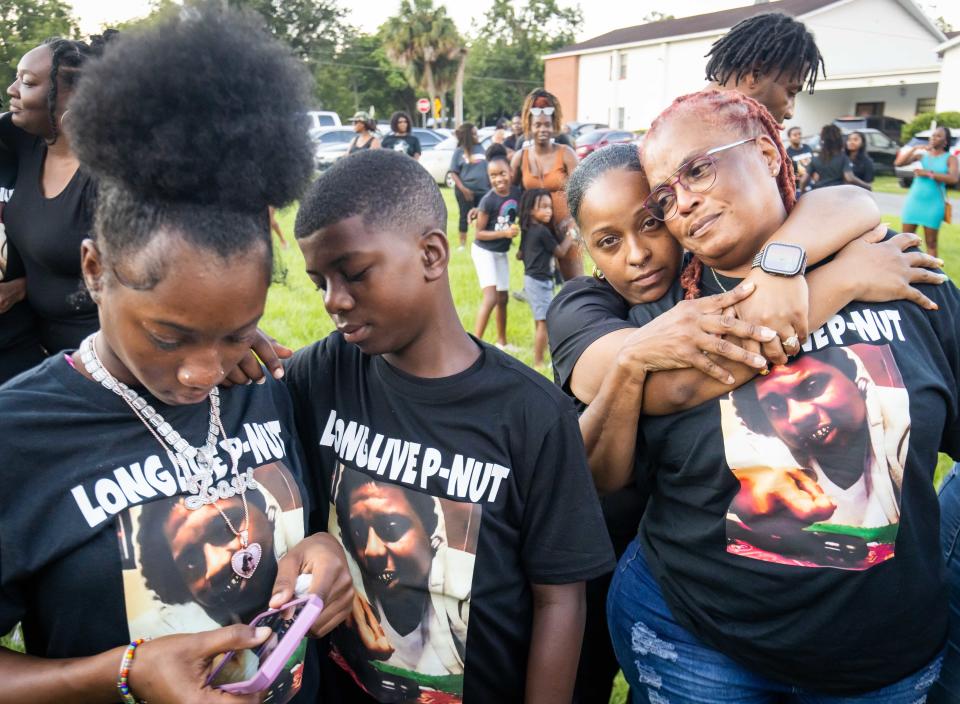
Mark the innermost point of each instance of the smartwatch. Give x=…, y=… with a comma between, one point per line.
x=782, y=259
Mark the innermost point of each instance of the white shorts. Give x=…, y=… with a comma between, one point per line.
x=493, y=268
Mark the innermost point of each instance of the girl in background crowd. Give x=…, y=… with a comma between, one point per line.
x=366, y=129
x=468, y=169
x=179, y=270
x=543, y=163
x=830, y=167
x=926, y=202
x=401, y=137
x=496, y=228
x=51, y=209
x=539, y=246
x=860, y=162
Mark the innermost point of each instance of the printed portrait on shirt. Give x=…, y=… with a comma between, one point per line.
x=506, y=215
x=178, y=573
x=818, y=447
x=412, y=558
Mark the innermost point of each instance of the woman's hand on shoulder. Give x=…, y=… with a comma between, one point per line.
x=781, y=303
x=321, y=557
x=175, y=669
x=883, y=271
x=691, y=334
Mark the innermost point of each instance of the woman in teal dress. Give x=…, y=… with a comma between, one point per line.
x=925, y=202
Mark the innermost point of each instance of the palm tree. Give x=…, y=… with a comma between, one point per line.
x=423, y=40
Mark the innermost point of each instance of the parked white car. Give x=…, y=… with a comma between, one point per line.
x=319, y=119
x=437, y=160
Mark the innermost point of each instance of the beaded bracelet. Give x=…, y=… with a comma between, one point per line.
x=123, y=679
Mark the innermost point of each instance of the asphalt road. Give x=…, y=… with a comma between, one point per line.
x=889, y=203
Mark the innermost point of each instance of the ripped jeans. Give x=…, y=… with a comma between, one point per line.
x=666, y=664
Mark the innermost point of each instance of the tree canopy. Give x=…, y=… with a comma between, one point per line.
x=26, y=23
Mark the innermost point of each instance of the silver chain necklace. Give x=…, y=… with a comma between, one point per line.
x=245, y=560
x=717, y=279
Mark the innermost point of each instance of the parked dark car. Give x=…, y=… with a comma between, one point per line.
x=890, y=126
x=880, y=147
x=905, y=173
x=592, y=141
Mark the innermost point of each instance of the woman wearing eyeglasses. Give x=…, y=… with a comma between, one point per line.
x=790, y=548
x=543, y=163
x=603, y=360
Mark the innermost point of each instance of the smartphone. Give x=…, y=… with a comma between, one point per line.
x=256, y=669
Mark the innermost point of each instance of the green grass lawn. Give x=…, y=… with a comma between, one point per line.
x=888, y=184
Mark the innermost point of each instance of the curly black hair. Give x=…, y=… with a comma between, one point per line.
x=387, y=189
x=831, y=142
x=746, y=403
x=496, y=152
x=193, y=126
x=771, y=43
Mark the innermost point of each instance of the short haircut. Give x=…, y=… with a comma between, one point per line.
x=768, y=44
x=193, y=126
x=613, y=156
x=387, y=189
x=746, y=403
x=795, y=128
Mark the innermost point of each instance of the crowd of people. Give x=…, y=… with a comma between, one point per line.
x=722, y=495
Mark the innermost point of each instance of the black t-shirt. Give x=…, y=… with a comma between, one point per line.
x=848, y=600
x=830, y=170
x=799, y=151
x=513, y=142
x=862, y=166
x=17, y=325
x=501, y=214
x=47, y=232
x=452, y=496
x=403, y=143
x=90, y=498
x=538, y=247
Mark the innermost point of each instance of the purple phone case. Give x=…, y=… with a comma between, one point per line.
x=270, y=669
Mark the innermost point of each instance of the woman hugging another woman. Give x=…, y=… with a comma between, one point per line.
x=789, y=549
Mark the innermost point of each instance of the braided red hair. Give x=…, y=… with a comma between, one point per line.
x=731, y=108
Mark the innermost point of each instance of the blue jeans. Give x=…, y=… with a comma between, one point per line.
x=665, y=664
x=947, y=690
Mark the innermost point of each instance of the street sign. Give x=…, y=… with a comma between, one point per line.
x=423, y=105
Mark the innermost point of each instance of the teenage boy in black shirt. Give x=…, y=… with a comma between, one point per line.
x=454, y=475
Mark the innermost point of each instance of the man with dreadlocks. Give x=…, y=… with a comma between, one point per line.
x=770, y=58
x=51, y=209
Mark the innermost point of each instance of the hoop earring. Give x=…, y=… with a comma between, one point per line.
x=597, y=274
x=63, y=117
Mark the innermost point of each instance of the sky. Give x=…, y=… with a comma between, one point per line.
x=602, y=16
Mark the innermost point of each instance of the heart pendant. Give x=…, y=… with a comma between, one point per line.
x=245, y=561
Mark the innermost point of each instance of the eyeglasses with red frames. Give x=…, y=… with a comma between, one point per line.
x=697, y=175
